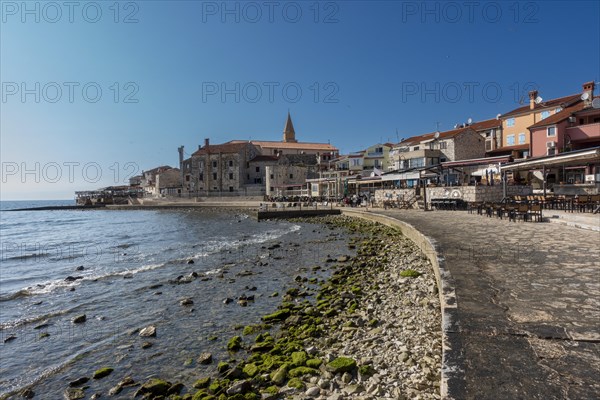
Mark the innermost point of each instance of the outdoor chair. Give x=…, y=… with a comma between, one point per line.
x=594, y=202
x=520, y=211
x=535, y=211
x=581, y=203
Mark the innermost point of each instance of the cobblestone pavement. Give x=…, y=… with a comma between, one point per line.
x=528, y=303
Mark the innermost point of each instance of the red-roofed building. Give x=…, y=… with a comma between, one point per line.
x=515, y=135
x=575, y=127
x=239, y=167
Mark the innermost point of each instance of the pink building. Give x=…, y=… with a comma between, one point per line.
x=575, y=127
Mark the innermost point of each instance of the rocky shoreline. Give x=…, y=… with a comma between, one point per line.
x=370, y=331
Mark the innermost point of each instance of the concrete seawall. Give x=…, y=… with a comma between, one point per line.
x=452, y=379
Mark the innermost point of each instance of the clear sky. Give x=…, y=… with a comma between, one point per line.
x=350, y=72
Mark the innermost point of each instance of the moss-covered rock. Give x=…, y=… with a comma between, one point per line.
x=222, y=367
x=366, y=370
x=250, y=369
x=341, y=365
x=296, y=383
x=234, y=344
x=155, y=387
x=202, y=383
x=410, y=273
x=301, y=371
x=102, y=372
x=314, y=363
x=279, y=377
x=279, y=315
x=299, y=358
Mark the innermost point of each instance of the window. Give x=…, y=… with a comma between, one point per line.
x=272, y=176
x=521, y=138
x=545, y=114
x=291, y=176
x=510, y=122
x=443, y=145
x=201, y=177
x=559, y=109
x=551, y=150
x=415, y=148
x=231, y=188
x=416, y=162
x=230, y=175
x=248, y=176
x=431, y=145
x=510, y=140
x=257, y=169
x=214, y=164
x=230, y=163
x=187, y=178
x=551, y=131
x=214, y=176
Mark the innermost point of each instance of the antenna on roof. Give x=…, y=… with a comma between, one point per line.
x=397, y=136
x=469, y=121
x=437, y=126
x=596, y=103
x=498, y=116
x=585, y=96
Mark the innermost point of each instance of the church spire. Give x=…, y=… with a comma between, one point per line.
x=289, y=135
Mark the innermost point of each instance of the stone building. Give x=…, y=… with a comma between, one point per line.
x=218, y=169
x=153, y=181
x=239, y=167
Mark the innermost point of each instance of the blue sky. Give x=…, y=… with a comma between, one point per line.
x=350, y=72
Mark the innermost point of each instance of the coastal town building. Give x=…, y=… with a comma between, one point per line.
x=420, y=153
x=491, y=131
x=241, y=167
x=516, y=140
x=160, y=180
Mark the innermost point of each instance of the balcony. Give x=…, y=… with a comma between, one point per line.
x=584, y=132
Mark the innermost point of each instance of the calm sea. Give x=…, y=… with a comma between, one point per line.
x=123, y=266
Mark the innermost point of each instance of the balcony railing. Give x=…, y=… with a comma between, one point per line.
x=583, y=132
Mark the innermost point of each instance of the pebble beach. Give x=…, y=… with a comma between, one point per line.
x=362, y=320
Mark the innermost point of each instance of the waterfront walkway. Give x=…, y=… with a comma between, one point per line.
x=528, y=299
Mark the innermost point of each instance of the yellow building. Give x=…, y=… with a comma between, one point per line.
x=377, y=156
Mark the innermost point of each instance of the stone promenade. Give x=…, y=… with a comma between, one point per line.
x=528, y=299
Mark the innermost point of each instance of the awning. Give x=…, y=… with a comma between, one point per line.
x=573, y=157
x=401, y=176
x=489, y=169
x=476, y=161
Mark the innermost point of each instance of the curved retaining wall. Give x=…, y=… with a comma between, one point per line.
x=452, y=380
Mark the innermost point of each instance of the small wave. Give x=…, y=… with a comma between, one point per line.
x=30, y=320
x=50, y=286
x=25, y=256
x=214, y=246
x=15, y=295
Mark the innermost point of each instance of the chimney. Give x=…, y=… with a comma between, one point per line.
x=588, y=88
x=206, y=143
x=532, y=96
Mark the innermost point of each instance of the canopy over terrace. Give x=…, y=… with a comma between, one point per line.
x=478, y=167
x=586, y=161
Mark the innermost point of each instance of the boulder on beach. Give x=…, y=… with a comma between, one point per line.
x=205, y=358
x=79, y=319
x=149, y=331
